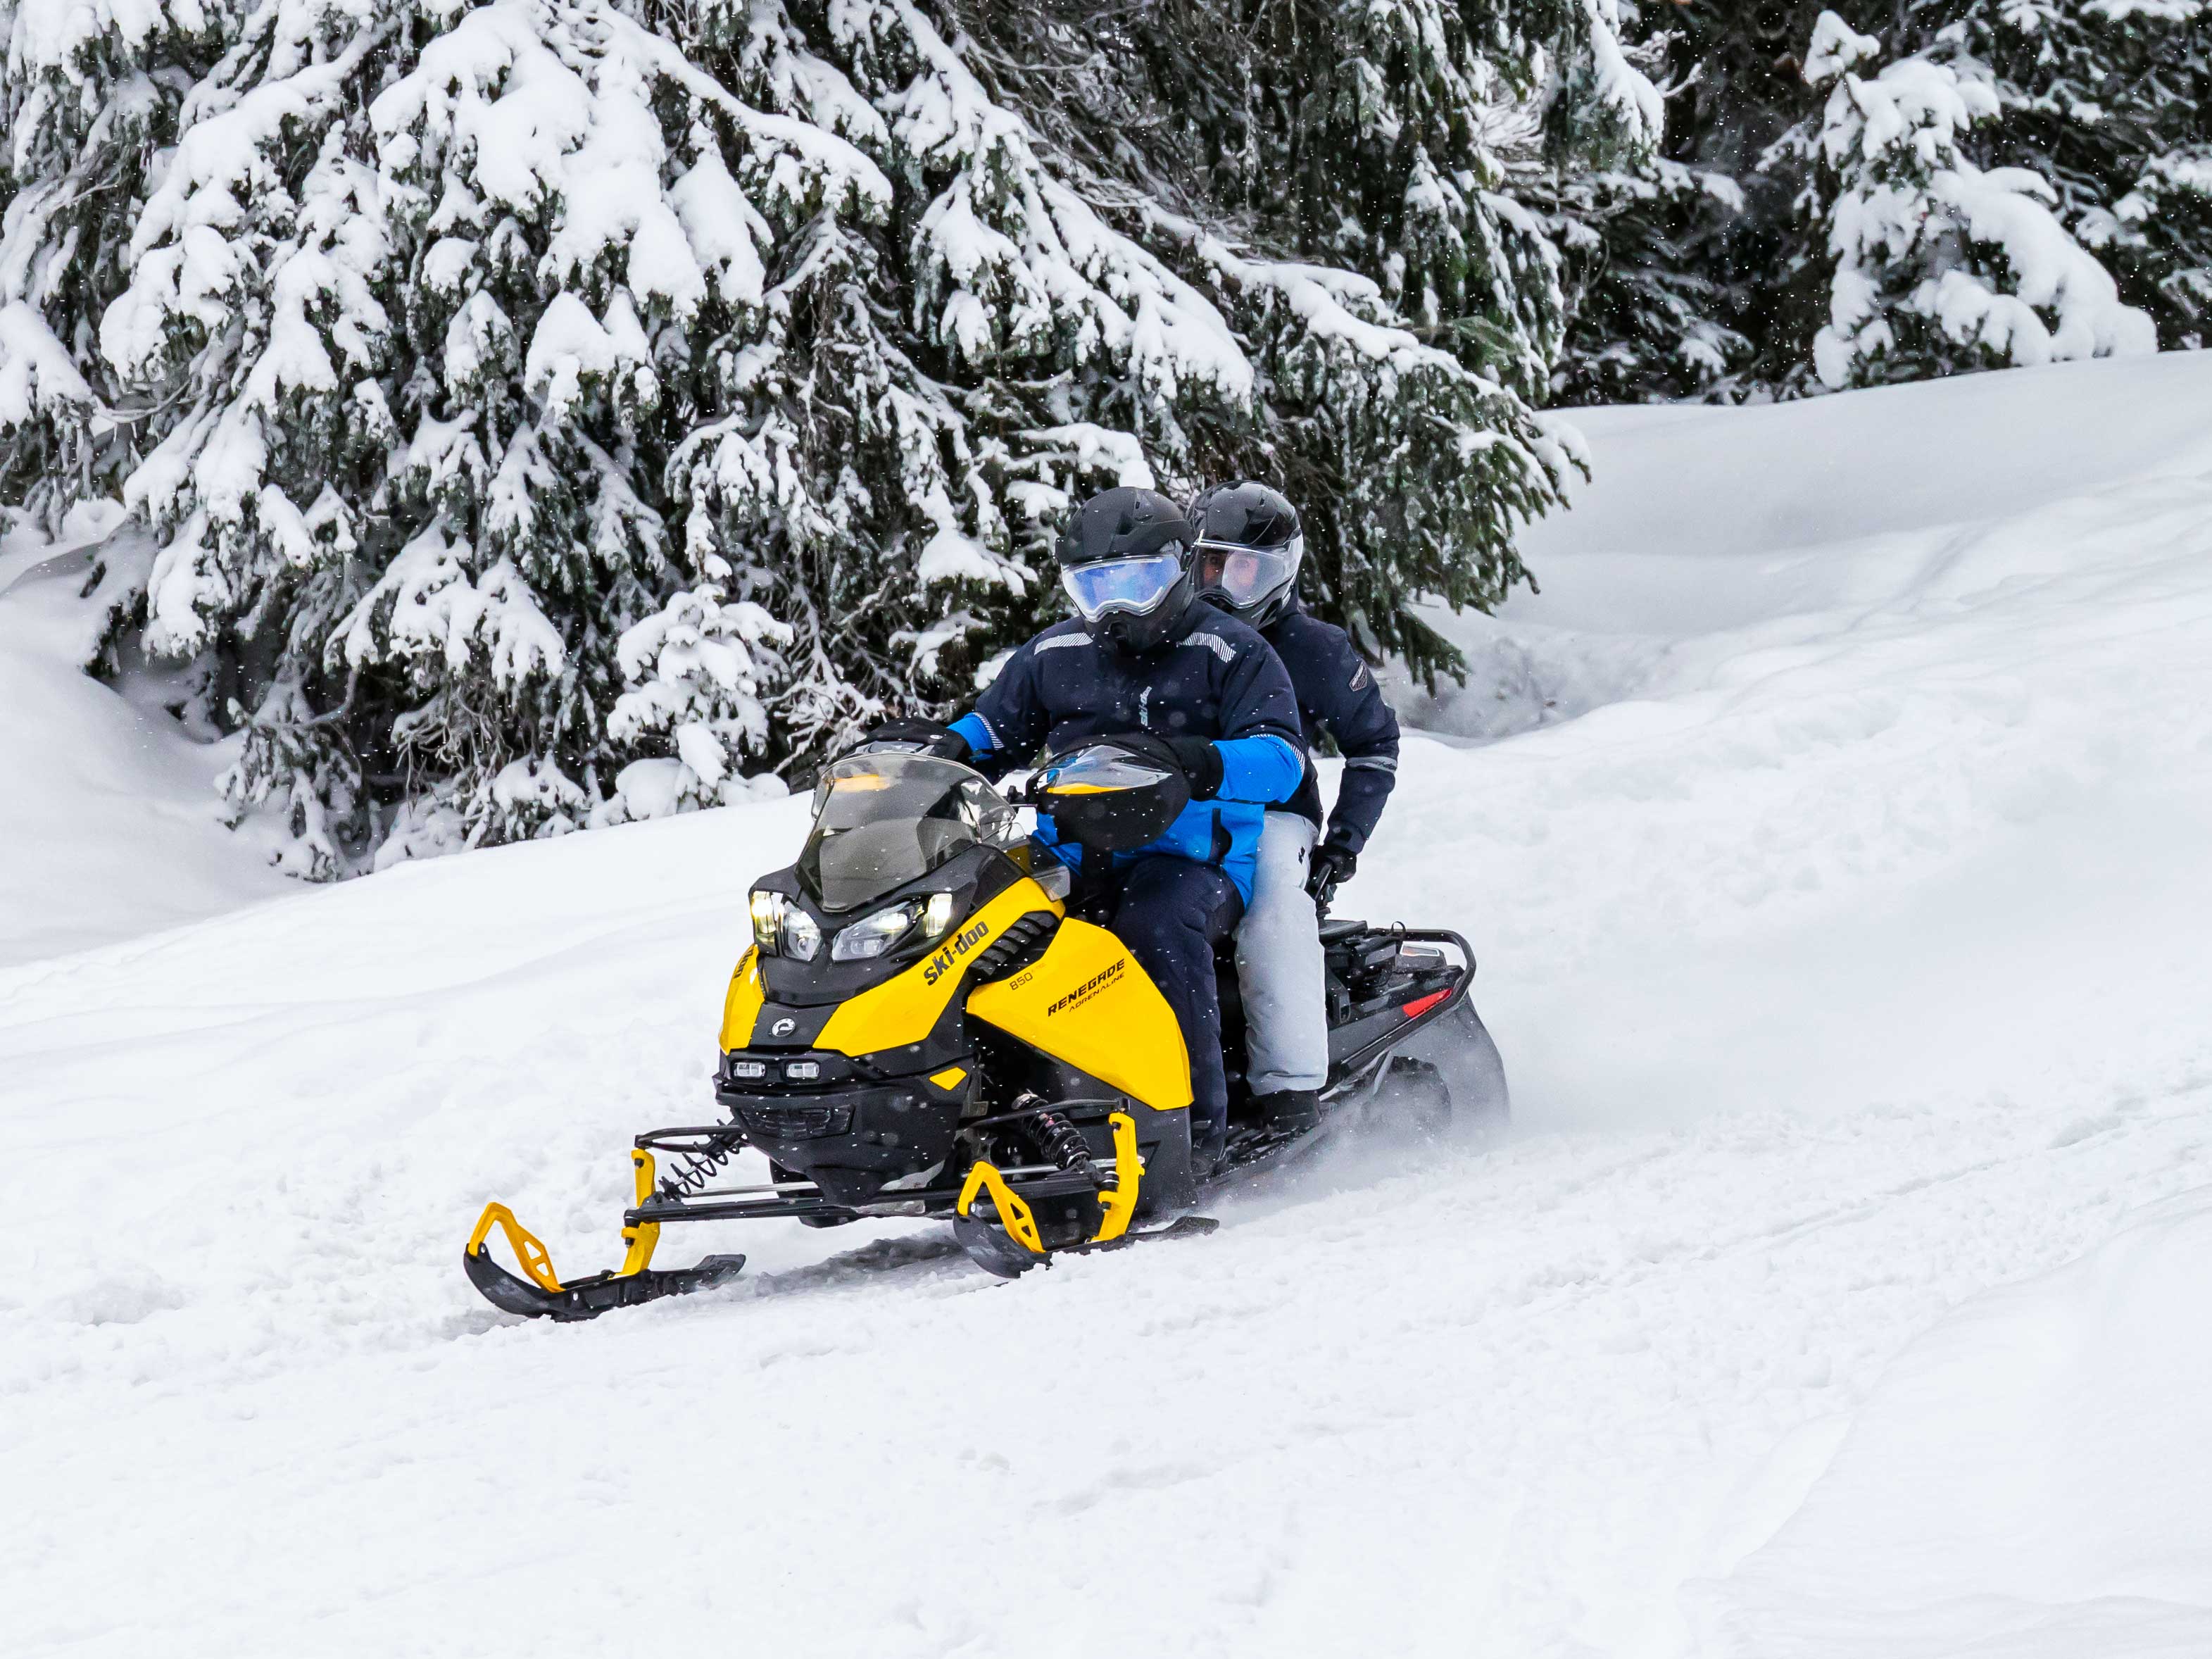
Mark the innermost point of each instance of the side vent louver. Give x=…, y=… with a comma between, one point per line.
x=1014, y=949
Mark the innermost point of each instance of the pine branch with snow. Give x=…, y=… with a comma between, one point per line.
x=1941, y=263
x=694, y=673
x=1403, y=306
x=2102, y=116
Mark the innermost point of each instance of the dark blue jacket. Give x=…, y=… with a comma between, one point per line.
x=1219, y=680
x=1337, y=695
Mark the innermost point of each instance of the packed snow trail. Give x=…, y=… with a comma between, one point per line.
x=1849, y=959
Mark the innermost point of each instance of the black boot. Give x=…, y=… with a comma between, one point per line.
x=1290, y=1111
x=1209, y=1150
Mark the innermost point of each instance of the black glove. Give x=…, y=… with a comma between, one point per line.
x=1201, y=763
x=928, y=737
x=1329, y=866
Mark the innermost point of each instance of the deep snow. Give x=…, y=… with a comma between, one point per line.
x=1842, y=1291
x=108, y=818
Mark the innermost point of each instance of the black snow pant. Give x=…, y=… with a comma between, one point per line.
x=1171, y=913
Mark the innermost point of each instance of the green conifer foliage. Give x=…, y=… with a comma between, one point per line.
x=2096, y=109
x=550, y=412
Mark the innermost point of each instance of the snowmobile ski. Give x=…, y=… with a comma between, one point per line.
x=1015, y=1243
x=1002, y=1257
x=587, y=1298
x=542, y=1295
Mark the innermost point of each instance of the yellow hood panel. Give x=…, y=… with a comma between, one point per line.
x=1086, y=1001
x=742, y=1006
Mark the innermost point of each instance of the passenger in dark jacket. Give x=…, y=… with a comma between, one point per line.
x=1250, y=547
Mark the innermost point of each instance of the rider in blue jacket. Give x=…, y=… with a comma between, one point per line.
x=1143, y=653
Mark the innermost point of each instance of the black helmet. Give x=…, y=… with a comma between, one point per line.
x=1125, y=560
x=1250, y=547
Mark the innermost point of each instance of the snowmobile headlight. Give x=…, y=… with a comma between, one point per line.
x=871, y=936
x=802, y=935
x=927, y=920
x=767, y=919
x=783, y=928
x=802, y=1071
x=749, y=1071
x=937, y=916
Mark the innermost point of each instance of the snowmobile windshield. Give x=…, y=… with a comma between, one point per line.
x=881, y=820
x=1099, y=769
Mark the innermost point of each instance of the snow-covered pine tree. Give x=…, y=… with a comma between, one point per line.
x=1941, y=265
x=1651, y=316
x=1415, y=128
x=88, y=94
x=549, y=408
x=2111, y=104
x=2107, y=105
x=1690, y=274
x=1344, y=177
x=412, y=326
x=1651, y=313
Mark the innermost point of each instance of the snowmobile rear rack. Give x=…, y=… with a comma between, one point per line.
x=1423, y=1010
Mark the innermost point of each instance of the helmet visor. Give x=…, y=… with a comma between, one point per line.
x=1241, y=577
x=1135, y=585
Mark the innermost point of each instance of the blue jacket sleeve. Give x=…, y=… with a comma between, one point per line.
x=1263, y=768
x=1262, y=752
x=979, y=736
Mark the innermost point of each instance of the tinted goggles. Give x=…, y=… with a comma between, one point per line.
x=1134, y=584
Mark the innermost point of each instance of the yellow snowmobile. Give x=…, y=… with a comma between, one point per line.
x=928, y=1025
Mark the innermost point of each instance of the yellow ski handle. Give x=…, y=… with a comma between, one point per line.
x=1014, y=1216
x=645, y=1237
x=530, y=1251
x=1120, y=1204
x=537, y=1262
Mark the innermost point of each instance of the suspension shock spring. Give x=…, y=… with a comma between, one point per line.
x=1062, y=1142
x=698, y=1168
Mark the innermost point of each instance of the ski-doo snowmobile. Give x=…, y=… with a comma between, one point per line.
x=929, y=1022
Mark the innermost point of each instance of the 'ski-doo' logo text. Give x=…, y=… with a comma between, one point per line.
x=955, y=948
x=1090, y=987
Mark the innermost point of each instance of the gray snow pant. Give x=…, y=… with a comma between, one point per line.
x=1279, y=964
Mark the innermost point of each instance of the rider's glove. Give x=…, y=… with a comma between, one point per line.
x=1201, y=763
x=928, y=737
x=1331, y=863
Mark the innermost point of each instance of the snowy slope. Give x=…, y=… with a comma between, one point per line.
x=1849, y=952
x=2028, y=1477
x=108, y=812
